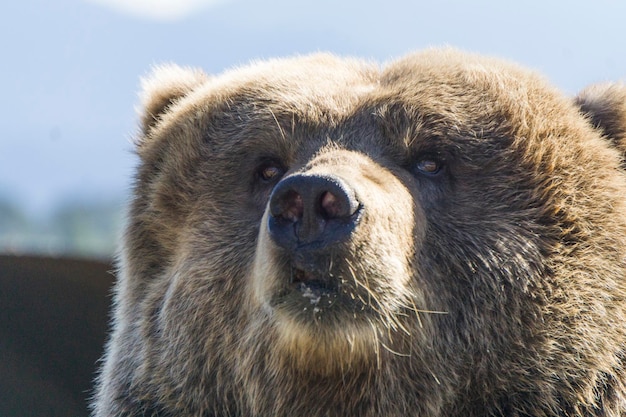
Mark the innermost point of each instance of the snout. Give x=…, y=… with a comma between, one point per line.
x=312, y=211
x=334, y=251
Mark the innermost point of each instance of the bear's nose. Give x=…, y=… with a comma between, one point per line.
x=311, y=210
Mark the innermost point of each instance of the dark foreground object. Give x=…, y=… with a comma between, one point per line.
x=53, y=320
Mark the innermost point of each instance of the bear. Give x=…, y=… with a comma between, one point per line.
x=442, y=235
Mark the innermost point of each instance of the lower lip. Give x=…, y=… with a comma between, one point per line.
x=315, y=292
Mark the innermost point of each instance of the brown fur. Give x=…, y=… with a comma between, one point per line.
x=605, y=105
x=495, y=286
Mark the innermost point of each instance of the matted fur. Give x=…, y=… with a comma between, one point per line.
x=485, y=275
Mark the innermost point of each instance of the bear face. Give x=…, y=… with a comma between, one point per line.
x=445, y=236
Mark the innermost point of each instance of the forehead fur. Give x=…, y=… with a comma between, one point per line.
x=464, y=85
x=471, y=92
x=314, y=84
x=314, y=78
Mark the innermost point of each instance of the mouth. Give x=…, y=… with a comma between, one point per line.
x=320, y=291
x=321, y=297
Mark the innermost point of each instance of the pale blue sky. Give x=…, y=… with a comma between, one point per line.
x=70, y=68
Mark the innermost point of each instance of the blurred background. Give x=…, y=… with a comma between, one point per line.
x=70, y=71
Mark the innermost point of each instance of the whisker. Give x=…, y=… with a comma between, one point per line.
x=417, y=313
x=282, y=132
x=404, y=355
x=376, y=344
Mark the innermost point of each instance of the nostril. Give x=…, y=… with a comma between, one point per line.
x=333, y=207
x=292, y=206
x=338, y=204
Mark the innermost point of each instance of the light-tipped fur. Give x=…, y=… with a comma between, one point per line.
x=484, y=273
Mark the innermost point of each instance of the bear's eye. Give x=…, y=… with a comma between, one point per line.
x=429, y=166
x=270, y=171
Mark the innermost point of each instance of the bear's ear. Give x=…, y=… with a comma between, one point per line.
x=164, y=86
x=605, y=106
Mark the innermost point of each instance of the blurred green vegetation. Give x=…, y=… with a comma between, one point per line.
x=78, y=228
